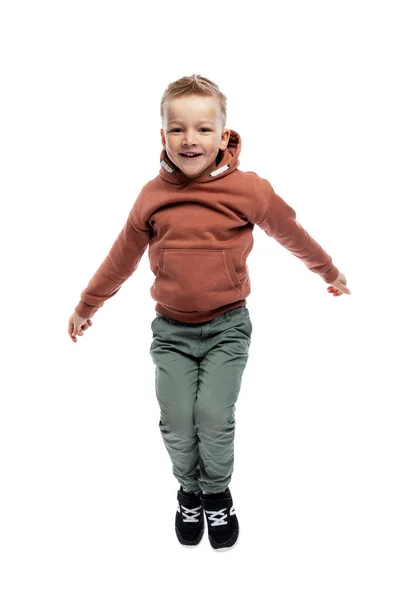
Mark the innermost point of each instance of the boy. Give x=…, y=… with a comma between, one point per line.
x=197, y=217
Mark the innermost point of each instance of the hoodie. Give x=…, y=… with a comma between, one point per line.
x=199, y=234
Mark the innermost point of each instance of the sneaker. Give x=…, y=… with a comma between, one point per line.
x=222, y=522
x=189, y=520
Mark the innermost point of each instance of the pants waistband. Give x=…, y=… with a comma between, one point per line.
x=226, y=316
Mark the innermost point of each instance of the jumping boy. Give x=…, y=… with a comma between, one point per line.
x=197, y=217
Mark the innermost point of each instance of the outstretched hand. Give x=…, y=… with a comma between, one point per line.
x=77, y=325
x=338, y=287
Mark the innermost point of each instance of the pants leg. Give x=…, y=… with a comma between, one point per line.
x=177, y=373
x=220, y=377
x=199, y=368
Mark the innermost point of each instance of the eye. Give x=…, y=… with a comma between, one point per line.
x=202, y=128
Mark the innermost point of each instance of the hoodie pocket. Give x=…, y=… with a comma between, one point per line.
x=196, y=280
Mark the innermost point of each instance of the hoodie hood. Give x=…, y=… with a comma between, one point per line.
x=229, y=162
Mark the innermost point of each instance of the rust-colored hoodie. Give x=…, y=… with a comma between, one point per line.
x=199, y=233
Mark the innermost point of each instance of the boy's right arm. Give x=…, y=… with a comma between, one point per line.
x=121, y=261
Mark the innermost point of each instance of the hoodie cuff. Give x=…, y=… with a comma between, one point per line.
x=331, y=275
x=86, y=311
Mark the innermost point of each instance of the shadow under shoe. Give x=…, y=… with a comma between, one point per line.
x=222, y=522
x=189, y=520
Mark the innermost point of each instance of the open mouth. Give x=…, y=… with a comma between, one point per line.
x=190, y=157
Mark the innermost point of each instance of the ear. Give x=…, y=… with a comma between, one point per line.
x=225, y=138
x=163, y=141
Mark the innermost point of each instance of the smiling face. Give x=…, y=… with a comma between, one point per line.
x=193, y=124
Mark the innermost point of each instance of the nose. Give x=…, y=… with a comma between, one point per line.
x=189, y=138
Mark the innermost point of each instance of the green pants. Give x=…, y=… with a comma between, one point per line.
x=199, y=368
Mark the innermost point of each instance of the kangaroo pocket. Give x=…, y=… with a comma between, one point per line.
x=195, y=280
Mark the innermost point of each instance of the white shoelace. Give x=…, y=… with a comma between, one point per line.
x=190, y=515
x=219, y=517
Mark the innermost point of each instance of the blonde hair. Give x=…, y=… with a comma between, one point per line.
x=195, y=84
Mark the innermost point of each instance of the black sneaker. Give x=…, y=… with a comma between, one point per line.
x=222, y=522
x=189, y=520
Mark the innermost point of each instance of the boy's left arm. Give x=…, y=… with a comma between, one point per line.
x=279, y=222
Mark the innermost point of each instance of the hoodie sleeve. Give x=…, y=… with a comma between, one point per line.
x=121, y=261
x=279, y=222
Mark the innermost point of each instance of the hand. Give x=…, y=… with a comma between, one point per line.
x=77, y=325
x=338, y=287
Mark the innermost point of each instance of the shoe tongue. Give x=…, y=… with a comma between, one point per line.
x=215, y=496
x=189, y=494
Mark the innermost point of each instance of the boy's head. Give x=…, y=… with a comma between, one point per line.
x=193, y=116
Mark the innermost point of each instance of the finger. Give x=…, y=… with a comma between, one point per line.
x=89, y=322
x=343, y=285
x=334, y=291
x=342, y=288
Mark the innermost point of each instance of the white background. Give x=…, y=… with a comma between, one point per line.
x=87, y=496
